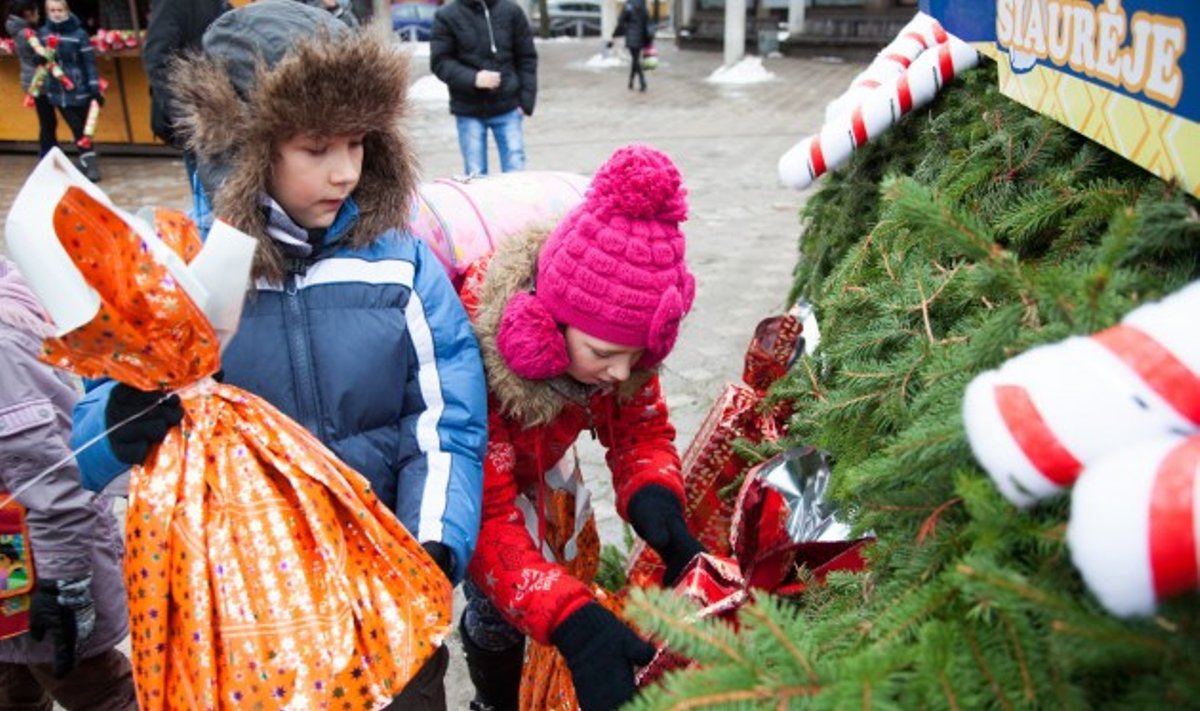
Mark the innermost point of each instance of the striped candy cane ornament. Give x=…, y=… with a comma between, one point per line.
x=1134, y=527
x=1035, y=423
x=832, y=147
x=920, y=34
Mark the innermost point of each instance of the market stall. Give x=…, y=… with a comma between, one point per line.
x=117, y=29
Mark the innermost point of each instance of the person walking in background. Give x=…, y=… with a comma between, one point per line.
x=483, y=50
x=23, y=18
x=175, y=29
x=639, y=34
x=75, y=56
x=573, y=324
x=78, y=612
x=353, y=328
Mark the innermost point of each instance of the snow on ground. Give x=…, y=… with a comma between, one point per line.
x=748, y=71
x=416, y=50
x=429, y=89
x=607, y=60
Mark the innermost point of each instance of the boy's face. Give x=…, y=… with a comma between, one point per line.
x=313, y=175
x=595, y=361
x=57, y=11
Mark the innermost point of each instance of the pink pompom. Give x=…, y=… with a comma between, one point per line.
x=529, y=339
x=639, y=182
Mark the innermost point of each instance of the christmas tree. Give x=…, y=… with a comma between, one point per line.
x=971, y=232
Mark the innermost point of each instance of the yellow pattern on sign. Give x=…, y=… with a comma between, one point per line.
x=1161, y=142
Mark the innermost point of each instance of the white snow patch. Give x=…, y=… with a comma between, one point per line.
x=748, y=71
x=604, y=60
x=414, y=49
x=429, y=89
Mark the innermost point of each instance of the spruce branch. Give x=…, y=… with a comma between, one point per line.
x=674, y=619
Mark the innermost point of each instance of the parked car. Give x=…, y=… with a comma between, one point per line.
x=571, y=17
x=413, y=21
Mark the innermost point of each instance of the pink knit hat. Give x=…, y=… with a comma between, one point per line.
x=613, y=268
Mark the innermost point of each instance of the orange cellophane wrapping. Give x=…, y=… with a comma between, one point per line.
x=545, y=679
x=261, y=571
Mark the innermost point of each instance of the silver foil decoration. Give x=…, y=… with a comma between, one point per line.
x=802, y=477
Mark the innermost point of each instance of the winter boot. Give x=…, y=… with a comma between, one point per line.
x=90, y=166
x=496, y=675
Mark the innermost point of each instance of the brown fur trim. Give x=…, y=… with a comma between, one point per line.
x=327, y=86
x=513, y=268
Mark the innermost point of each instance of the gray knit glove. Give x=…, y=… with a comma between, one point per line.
x=63, y=608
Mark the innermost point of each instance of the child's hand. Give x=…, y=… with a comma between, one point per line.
x=141, y=421
x=657, y=516
x=601, y=653
x=441, y=555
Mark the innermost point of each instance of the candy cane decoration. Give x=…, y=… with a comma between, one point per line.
x=1134, y=529
x=920, y=34
x=1042, y=417
x=93, y=116
x=49, y=55
x=832, y=147
x=36, y=85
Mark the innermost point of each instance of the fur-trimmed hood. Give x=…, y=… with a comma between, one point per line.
x=512, y=269
x=331, y=81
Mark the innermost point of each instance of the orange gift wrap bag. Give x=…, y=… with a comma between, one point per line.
x=569, y=536
x=261, y=571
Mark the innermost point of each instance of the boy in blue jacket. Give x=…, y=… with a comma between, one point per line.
x=353, y=329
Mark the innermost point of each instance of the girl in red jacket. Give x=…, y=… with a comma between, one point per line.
x=572, y=325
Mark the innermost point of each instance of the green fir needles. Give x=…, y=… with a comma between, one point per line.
x=972, y=231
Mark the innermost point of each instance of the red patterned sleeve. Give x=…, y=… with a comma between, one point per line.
x=532, y=593
x=640, y=439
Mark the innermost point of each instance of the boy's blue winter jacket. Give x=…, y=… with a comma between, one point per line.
x=370, y=349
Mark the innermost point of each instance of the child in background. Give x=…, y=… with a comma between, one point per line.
x=78, y=614
x=75, y=56
x=573, y=325
x=353, y=329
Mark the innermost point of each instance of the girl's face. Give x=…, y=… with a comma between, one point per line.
x=595, y=361
x=313, y=175
x=57, y=11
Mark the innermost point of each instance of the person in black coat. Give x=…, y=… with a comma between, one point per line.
x=175, y=28
x=639, y=34
x=483, y=50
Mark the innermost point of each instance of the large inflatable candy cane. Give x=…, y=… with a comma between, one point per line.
x=920, y=34
x=881, y=108
x=1134, y=530
x=1038, y=420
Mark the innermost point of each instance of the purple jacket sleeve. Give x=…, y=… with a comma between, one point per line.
x=35, y=459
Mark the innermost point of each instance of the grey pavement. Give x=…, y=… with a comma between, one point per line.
x=742, y=233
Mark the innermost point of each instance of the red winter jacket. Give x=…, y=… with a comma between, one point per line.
x=531, y=425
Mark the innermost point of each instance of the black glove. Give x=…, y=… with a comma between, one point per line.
x=441, y=555
x=39, y=59
x=64, y=609
x=657, y=516
x=601, y=653
x=98, y=98
x=132, y=441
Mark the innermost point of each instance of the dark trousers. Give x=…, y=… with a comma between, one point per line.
x=100, y=683
x=427, y=690
x=635, y=67
x=75, y=116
